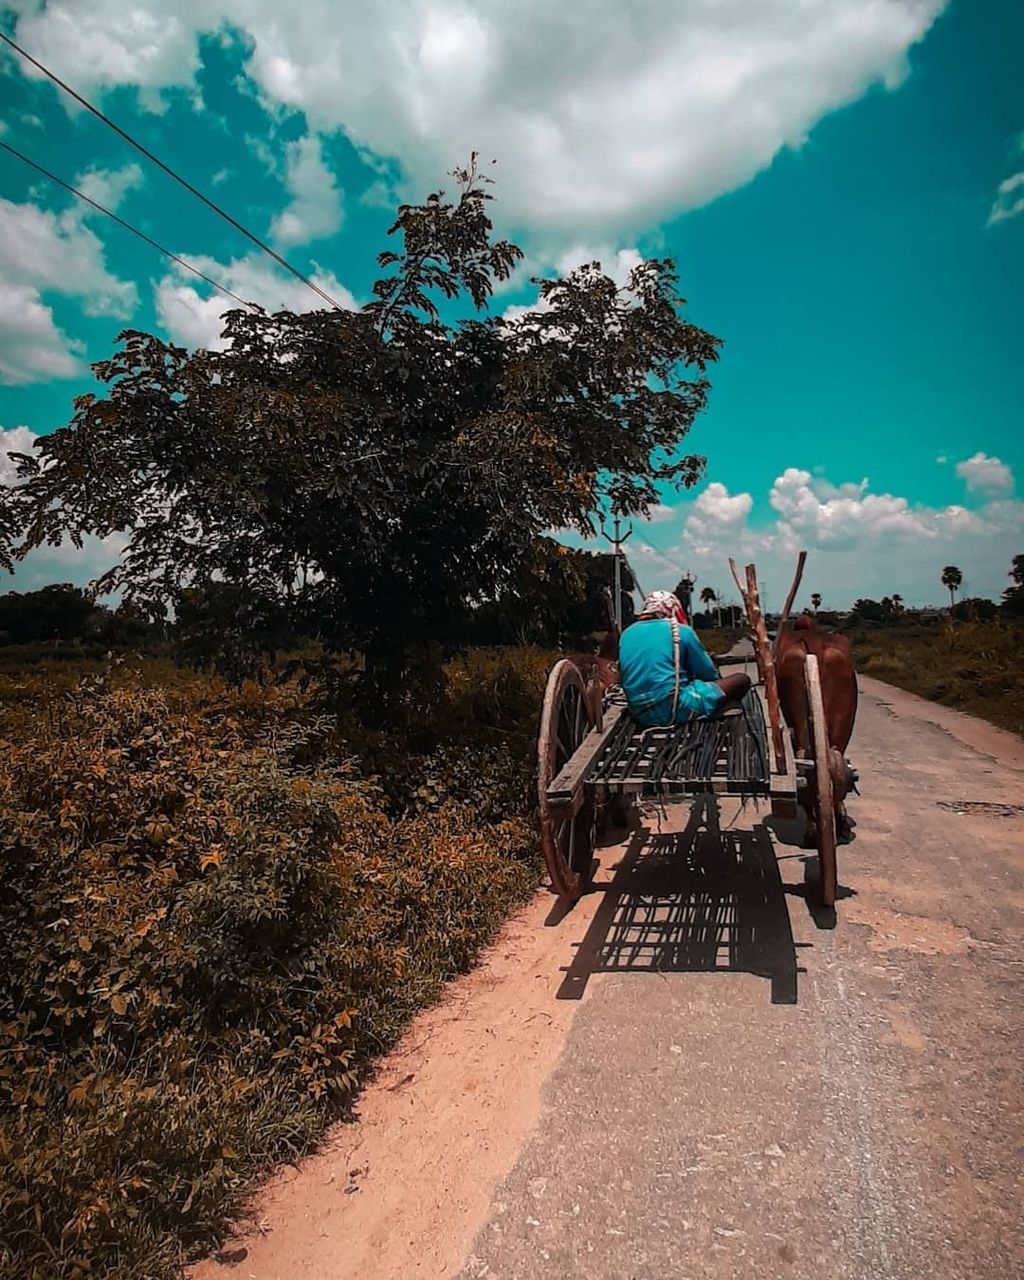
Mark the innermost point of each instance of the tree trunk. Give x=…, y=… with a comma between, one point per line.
x=383, y=672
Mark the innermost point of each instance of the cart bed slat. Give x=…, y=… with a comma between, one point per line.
x=729, y=756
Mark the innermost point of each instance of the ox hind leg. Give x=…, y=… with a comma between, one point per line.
x=793, y=694
x=838, y=678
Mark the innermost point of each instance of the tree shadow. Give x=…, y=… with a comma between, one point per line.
x=702, y=900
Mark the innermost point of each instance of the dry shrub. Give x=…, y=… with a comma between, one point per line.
x=211, y=919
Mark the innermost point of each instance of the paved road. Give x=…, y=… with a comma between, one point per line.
x=754, y=1095
x=691, y=1075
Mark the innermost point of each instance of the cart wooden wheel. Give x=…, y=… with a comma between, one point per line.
x=822, y=797
x=567, y=840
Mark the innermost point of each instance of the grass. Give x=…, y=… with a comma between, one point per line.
x=719, y=640
x=977, y=667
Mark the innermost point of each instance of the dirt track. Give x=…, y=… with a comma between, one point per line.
x=690, y=1075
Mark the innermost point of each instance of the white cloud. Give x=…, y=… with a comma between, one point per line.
x=66, y=563
x=716, y=516
x=828, y=516
x=1007, y=204
x=103, y=46
x=50, y=252
x=59, y=253
x=32, y=348
x=860, y=543
x=985, y=475
x=108, y=187
x=604, y=116
x=617, y=264
x=380, y=194
x=195, y=319
x=16, y=440
x=315, y=209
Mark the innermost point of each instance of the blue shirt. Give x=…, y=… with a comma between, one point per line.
x=646, y=669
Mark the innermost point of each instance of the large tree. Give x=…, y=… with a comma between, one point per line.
x=369, y=476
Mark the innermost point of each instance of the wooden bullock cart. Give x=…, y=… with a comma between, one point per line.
x=590, y=751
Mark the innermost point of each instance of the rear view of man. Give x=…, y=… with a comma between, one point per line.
x=665, y=671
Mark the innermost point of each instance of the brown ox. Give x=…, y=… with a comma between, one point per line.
x=838, y=695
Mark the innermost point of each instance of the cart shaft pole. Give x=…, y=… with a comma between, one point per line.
x=765, y=665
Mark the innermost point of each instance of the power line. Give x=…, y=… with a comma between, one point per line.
x=660, y=554
x=127, y=225
x=171, y=173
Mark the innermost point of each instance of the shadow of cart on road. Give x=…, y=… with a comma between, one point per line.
x=701, y=900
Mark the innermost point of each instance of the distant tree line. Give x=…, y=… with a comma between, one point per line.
x=561, y=599
x=891, y=609
x=64, y=614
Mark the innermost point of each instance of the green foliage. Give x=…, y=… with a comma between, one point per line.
x=559, y=599
x=731, y=615
x=865, y=610
x=972, y=666
x=1013, y=597
x=62, y=613
x=57, y=612
x=975, y=609
x=212, y=918
x=367, y=478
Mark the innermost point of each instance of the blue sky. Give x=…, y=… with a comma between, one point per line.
x=841, y=183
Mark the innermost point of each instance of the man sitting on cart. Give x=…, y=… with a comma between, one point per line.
x=665, y=671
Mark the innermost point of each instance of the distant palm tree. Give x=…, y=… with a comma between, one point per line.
x=710, y=596
x=816, y=601
x=897, y=603
x=951, y=579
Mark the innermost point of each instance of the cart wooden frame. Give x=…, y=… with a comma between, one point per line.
x=590, y=751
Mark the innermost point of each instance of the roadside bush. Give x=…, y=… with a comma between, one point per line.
x=211, y=919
